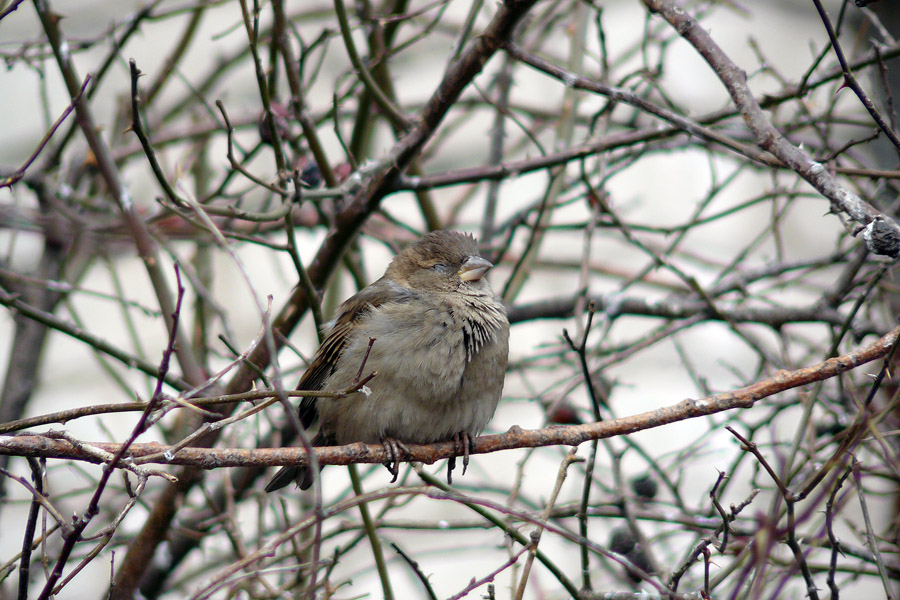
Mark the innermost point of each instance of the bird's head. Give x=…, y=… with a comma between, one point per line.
x=442, y=261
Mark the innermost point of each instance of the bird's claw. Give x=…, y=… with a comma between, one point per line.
x=392, y=449
x=463, y=442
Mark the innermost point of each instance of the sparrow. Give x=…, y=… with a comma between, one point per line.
x=438, y=340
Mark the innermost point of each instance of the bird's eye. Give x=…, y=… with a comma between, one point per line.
x=440, y=268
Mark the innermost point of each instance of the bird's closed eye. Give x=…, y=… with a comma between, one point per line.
x=441, y=267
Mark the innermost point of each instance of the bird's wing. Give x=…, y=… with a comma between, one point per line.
x=349, y=314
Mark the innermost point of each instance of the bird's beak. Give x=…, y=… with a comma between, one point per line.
x=474, y=268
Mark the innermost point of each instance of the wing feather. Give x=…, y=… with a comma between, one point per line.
x=353, y=310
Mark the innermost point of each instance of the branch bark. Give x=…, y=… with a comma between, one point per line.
x=36, y=445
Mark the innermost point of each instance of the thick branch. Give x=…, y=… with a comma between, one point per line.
x=768, y=137
x=516, y=437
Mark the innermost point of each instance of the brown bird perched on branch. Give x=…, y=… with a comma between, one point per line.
x=440, y=347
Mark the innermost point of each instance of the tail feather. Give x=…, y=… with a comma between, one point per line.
x=283, y=477
x=302, y=475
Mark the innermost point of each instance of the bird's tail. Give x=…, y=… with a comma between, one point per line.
x=302, y=475
x=285, y=475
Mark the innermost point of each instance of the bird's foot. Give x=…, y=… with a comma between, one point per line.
x=392, y=449
x=463, y=442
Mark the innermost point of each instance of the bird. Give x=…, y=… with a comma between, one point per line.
x=438, y=340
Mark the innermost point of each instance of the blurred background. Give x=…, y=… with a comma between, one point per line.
x=608, y=174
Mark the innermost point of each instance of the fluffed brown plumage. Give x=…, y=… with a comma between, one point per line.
x=440, y=351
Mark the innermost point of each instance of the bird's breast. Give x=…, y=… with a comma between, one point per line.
x=440, y=372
